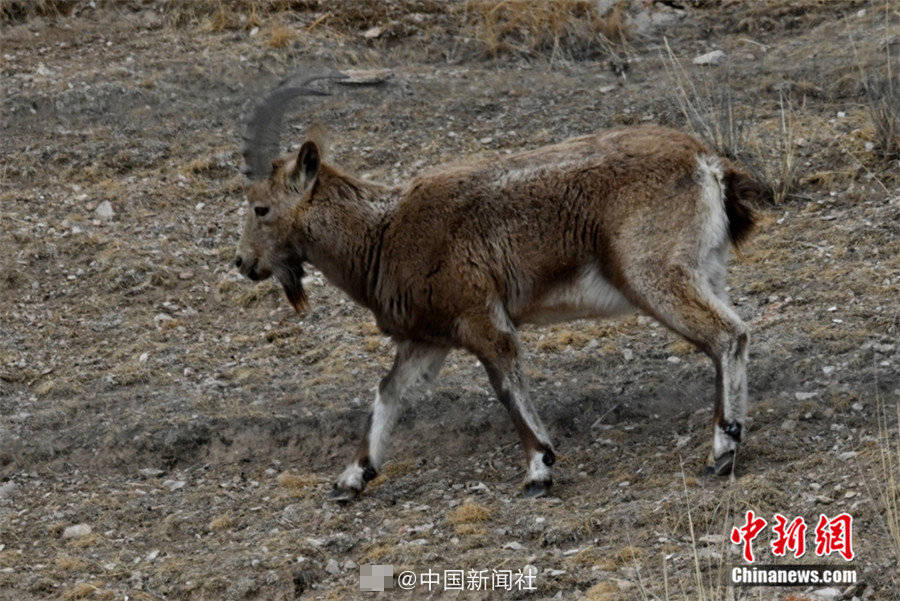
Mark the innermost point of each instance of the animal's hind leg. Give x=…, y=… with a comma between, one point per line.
x=683, y=300
x=412, y=363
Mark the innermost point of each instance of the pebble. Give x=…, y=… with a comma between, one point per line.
x=515, y=546
x=174, y=485
x=847, y=455
x=76, y=531
x=332, y=567
x=710, y=58
x=150, y=472
x=8, y=489
x=827, y=594
x=805, y=396
x=104, y=210
x=712, y=539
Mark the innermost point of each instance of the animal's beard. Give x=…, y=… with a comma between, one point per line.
x=291, y=278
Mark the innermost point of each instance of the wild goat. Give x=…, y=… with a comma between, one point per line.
x=630, y=219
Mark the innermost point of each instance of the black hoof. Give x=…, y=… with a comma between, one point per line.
x=342, y=495
x=722, y=467
x=537, y=488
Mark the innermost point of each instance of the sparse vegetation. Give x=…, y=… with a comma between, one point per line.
x=527, y=27
x=195, y=423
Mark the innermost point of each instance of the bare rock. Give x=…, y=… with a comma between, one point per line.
x=710, y=58
x=332, y=567
x=827, y=594
x=76, y=531
x=104, y=210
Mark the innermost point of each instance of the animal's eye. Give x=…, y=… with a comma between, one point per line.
x=261, y=211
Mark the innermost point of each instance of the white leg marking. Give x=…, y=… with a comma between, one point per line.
x=521, y=402
x=351, y=477
x=537, y=470
x=384, y=417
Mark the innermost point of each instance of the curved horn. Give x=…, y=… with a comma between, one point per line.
x=263, y=134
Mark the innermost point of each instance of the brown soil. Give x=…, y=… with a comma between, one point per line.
x=130, y=343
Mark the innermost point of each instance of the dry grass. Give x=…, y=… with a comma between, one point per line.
x=82, y=590
x=280, y=36
x=713, y=113
x=222, y=522
x=775, y=161
x=528, y=27
x=883, y=98
x=12, y=11
x=889, y=474
x=296, y=485
x=469, y=513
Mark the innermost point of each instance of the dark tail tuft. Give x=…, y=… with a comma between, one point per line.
x=742, y=192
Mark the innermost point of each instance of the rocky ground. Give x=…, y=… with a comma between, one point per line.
x=169, y=431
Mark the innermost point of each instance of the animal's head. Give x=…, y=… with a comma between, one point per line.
x=272, y=241
x=278, y=195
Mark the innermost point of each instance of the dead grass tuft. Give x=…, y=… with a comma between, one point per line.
x=296, y=484
x=82, y=590
x=67, y=563
x=469, y=513
x=280, y=36
x=14, y=11
x=883, y=96
x=889, y=473
x=528, y=27
x=222, y=522
x=603, y=591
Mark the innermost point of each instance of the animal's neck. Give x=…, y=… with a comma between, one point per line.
x=344, y=233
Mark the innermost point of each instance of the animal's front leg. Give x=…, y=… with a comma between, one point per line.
x=412, y=363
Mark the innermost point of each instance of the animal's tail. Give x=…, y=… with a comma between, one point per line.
x=742, y=193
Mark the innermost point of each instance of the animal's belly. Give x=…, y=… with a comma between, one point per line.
x=590, y=295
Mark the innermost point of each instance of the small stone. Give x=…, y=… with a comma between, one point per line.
x=712, y=539
x=152, y=555
x=847, y=455
x=8, y=489
x=674, y=359
x=333, y=567
x=104, y=210
x=710, y=58
x=857, y=406
x=150, y=472
x=607, y=89
x=174, y=485
x=185, y=275
x=805, y=396
x=373, y=32
x=627, y=354
x=515, y=546
x=828, y=370
x=823, y=500
x=788, y=425
x=827, y=594
x=76, y=531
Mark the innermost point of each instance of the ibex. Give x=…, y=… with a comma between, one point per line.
x=630, y=219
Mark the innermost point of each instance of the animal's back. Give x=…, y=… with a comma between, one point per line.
x=520, y=226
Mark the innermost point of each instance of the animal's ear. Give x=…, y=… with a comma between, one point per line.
x=306, y=168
